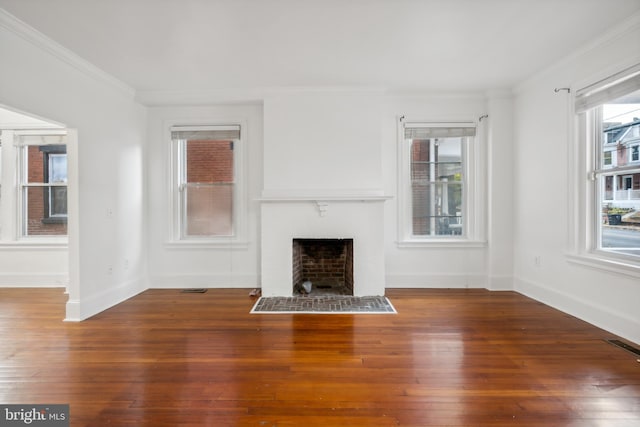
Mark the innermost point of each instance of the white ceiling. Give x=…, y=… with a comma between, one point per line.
x=434, y=45
x=12, y=119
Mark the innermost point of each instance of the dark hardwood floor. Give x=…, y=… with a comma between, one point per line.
x=449, y=357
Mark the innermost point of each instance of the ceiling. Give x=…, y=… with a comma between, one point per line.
x=17, y=120
x=432, y=45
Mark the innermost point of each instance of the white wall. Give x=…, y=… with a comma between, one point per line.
x=440, y=266
x=500, y=173
x=322, y=146
x=322, y=141
x=184, y=264
x=543, y=130
x=107, y=255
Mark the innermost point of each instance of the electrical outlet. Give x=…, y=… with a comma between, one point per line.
x=537, y=260
x=110, y=270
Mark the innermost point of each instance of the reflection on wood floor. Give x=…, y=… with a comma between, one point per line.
x=449, y=357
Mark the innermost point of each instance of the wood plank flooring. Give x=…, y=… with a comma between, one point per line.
x=448, y=358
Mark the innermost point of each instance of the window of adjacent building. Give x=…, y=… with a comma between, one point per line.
x=609, y=114
x=635, y=153
x=437, y=200
x=205, y=182
x=43, y=186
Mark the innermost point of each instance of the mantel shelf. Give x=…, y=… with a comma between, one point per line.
x=346, y=195
x=324, y=198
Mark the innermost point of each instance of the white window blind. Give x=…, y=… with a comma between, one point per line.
x=613, y=87
x=201, y=133
x=24, y=139
x=438, y=130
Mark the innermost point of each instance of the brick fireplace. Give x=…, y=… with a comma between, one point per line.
x=326, y=263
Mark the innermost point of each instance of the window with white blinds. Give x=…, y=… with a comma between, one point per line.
x=436, y=197
x=609, y=116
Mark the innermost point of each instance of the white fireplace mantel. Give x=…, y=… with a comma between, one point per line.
x=294, y=214
x=295, y=195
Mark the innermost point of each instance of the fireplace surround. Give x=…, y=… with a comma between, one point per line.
x=357, y=217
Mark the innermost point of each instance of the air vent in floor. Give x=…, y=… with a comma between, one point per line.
x=624, y=346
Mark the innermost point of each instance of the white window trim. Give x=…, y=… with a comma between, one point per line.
x=583, y=205
x=474, y=185
x=238, y=240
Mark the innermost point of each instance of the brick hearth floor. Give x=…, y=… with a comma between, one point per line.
x=324, y=304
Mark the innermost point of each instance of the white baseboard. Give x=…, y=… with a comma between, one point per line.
x=437, y=281
x=34, y=280
x=94, y=304
x=588, y=311
x=500, y=283
x=182, y=281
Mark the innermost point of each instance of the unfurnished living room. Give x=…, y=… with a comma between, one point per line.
x=320, y=213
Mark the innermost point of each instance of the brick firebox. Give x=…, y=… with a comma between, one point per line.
x=326, y=263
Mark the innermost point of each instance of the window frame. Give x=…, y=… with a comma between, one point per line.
x=176, y=156
x=52, y=218
x=473, y=187
x=22, y=140
x=588, y=174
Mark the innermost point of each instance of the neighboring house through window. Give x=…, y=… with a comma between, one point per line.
x=438, y=203
x=55, y=175
x=43, y=185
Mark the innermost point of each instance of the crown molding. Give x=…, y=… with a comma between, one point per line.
x=159, y=98
x=44, y=43
x=246, y=95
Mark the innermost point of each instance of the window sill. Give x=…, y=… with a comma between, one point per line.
x=54, y=220
x=602, y=262
x=35, y=244
x=441, y=243
x=206, y=244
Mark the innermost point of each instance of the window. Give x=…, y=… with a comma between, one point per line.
x=43, y=185
x=438, y=200
x=206, y=191
x=608, y=116
x=635, y=153
x=0, y=171
x=55, y=174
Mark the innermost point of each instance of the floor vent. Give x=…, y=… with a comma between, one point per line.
x=194, y=291
x=625, y=346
